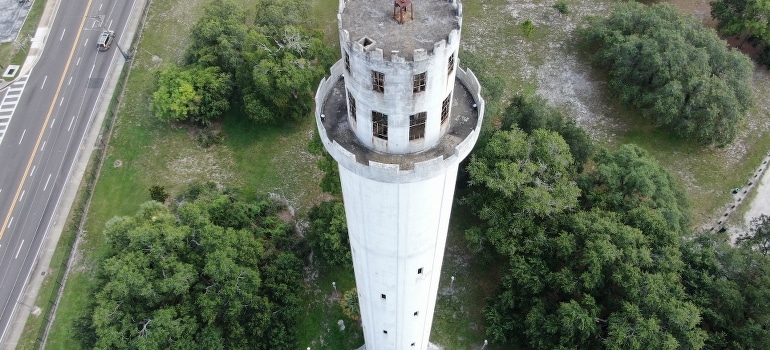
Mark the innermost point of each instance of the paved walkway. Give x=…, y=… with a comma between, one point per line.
x=13, y=13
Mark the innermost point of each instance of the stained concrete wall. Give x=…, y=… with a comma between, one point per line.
x=397, y=236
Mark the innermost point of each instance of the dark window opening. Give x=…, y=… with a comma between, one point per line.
x=383, y=296
x=418, y=83
x=380, y=130
x=451, y=66
x=417, y=126
x=347, y=62
x=378, y=81
x=384, y=331
x=352, y=103
x=416, y=312
x=419, y=271
x=445, y=109
x=412, y=344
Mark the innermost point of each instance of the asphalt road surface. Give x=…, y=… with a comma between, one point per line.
x=50, y=111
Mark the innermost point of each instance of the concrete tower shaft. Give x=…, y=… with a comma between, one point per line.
x=398, y=115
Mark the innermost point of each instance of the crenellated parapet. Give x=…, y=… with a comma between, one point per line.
x=341, y=143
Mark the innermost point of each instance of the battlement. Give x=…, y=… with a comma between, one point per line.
x=368, y=27
x=455, y=145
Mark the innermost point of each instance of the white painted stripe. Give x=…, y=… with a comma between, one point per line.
x=46, y=182
x=19, y=251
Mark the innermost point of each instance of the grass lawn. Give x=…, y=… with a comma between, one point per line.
x=257, y=160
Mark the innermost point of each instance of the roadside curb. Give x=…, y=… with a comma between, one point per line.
x=75, y=176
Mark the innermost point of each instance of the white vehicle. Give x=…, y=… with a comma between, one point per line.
x=105, y=40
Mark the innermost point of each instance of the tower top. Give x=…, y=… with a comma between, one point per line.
x=375, y=24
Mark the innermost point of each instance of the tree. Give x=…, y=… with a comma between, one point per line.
x=731, y=286
x=192, y=94
x=532, y=113
x=281, y=76
x=517, y=179
x=179, y=280
x=328, y=234
x=677, y=73
x=274, y=64
x=218, y=37
x=629, y=179
x=745, y=18
x=588, y=281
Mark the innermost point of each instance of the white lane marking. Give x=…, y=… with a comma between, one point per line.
x=10, y=222
x=62, y=34
x=71, y=122
x=33, y=170
x=92, y=71
x=62, y=101
x=46, y=182
x=22, y=135
x=53, y=121
x=78, y=62
x=43, y=85
x=43, y=146
x=86, y=42
x=19, y=251
x=110, y=26
x=70, y=81
x=100, y=7
x=22, y=195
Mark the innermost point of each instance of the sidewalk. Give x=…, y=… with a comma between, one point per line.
x=41, y=270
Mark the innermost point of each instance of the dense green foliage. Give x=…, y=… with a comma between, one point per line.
x=628, y=181
x=328, y=234
x=744, y=18
x=731, y=286
x=676, y=72
x=531, y=113
x=604, y=258
x=214, y=272
x=272, y=65
x=192, y=94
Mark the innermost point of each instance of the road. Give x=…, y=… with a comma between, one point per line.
x=50, y=110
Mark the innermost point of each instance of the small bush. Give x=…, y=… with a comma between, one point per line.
x=561, y=6
x=527, y=28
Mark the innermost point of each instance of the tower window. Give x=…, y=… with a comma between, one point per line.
x=416, y=313
x=383, y=296
x=412, y=344
x=352, y=104
x=419, y=83
x=380, y=129
x=378, y=81
x=419, y=271
x=445, y=108
x=347, y=62
x=384, y=331
x=451, y=66
x=417, y=126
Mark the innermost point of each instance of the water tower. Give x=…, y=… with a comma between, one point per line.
x=398, y=115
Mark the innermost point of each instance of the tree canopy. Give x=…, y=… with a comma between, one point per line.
x=731, y=286
x=214, y=272
x=193, y=94
x=679, y=74
x=272, y=65
x=744, y=18
x=328, y=234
